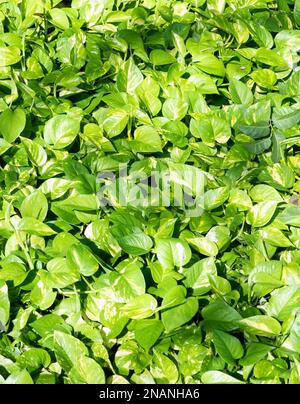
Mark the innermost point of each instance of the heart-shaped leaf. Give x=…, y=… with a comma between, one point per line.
x=12, y=124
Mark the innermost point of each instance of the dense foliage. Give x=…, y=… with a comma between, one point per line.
x=143, y=294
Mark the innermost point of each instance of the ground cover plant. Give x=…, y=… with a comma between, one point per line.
x=93, y=290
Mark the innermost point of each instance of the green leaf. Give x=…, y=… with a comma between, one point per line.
x=13, y=271
x=136, y=243
x=217, y=377
x=176, y=132
x=288, y=38
x=275, y=237
x=172, y=252
x=261, y=325
x=80, y=257
x=291, y=86
x=149, y=91
x=45, y=325
x=271, y=58
x=179, y=315
x=286, y=117
x=10, y=55
x=219, y=315
x=256, y=130
x=35, y=205
x=130, y=77
x=59, y=18
x=34, y=226
x=140, y=307
x=196, y=276
x=160, y=57
x=60, y=273
x=240, y=93
x=262, y=192
x=19, y=377
x=176, y=295
x=35, y=152
x=258, y=146
x=12, y=123
x=130, y=281
x=261, y=35
x=216, y=6
x=34, y=359
x=264, y=78
x=146, y=140
x=163, y=369
x=292, y=342
x=227, y=346
x=87, y=371
x=4, y=303
x=259, y=215
x=191, y=358
x=266, y=277
x=255, y=352
x=211, y=129
x=215, y=198
x=284, y=302
x=61, y=130
x=279, y=176
x=220, y=285
x=290, y=215
x=130, y=356
x=42, y=295
x=202, y=244
x=220, y=235
x=297, y=11
x=174, y=108
x=68, y=350
x=147, y=332
x=115, y=122
x=240, y=199
x=209, y=63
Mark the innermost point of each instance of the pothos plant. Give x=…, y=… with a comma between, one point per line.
x=141, y=294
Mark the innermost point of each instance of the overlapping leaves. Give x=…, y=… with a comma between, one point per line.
x=134, y=294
